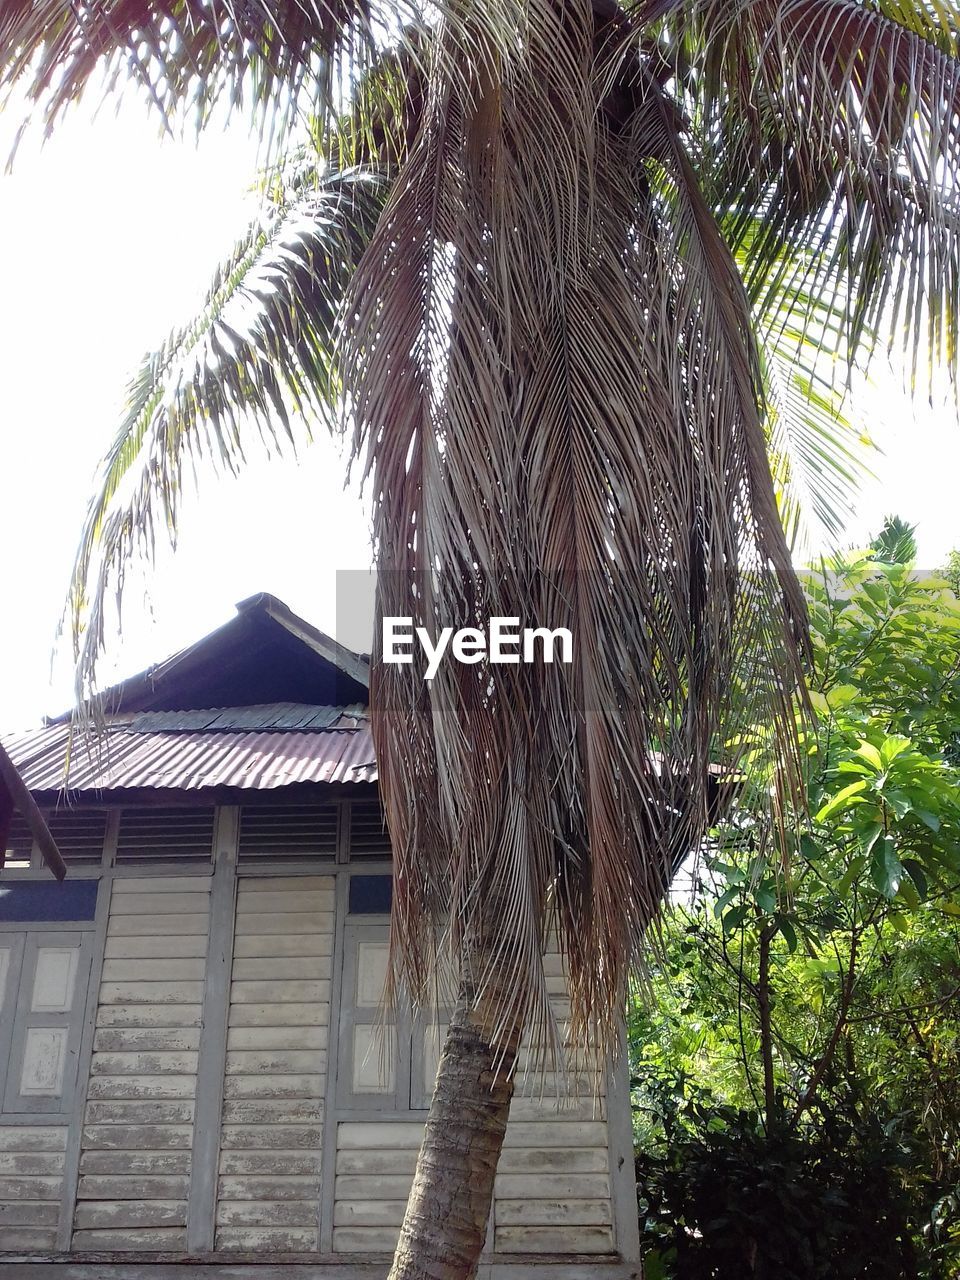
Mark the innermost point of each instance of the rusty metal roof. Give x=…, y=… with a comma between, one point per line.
x=251, y=748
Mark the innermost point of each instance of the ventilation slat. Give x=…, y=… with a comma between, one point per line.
x=369, y=837
x=19, y=843
x=293, y=832
x=79, y=834
x=165, y=835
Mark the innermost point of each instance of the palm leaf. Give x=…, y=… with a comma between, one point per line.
x=286, y=59
x=258, y=360
x=557, y=391
x=835, y=134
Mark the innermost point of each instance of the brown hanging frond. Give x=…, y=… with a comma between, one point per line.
x=553, y=377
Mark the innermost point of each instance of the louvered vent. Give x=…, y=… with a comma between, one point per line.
x=301, y=832
x=165, y=835
x=79, y=834
x=368, y=831
x=19, y=843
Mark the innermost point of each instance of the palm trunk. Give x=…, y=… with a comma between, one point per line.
x=445, y=1224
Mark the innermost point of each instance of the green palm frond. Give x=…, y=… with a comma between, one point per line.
x=818, y=456
x=258, y=361
x=834, y=131
x=187, y=55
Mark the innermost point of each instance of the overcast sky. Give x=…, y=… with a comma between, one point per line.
x=108, y=235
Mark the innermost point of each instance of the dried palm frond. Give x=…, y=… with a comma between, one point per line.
x=555, y=382
x=603, y=229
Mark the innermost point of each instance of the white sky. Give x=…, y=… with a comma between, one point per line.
x=108, y=235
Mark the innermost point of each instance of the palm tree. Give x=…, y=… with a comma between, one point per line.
x=554, y=275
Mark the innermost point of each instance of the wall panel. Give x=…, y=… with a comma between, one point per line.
x=272, y=1123
x=138, y=1123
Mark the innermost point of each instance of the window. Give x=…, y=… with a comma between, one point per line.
x=386, y=1063
x=43, y=987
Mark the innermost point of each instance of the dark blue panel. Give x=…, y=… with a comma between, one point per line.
x=371, y=895
x=34, y=901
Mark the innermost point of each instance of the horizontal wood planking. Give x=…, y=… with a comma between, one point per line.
x=152, y=993
x=268, y=1239
x=169, y=947
x=552, y=1191
x=160, y=969
x=140, y=926
x=133, y=1186
x=23, y=1137
x=304, y=1037
x=121, y=1137
x=550, y=1239
x=260, y=968
x=277, y=946
x=162, y=884
x=274, y=1086
x=132, y=1239
x=134, y=1111
x=275, y=1061
x=278, y=1160
x=131, y=1213
x=374, y=1173
x=281, y=990
x=257, y=1213
x=279, y=1015
x=365, y=1239
x=138, y=1132
x=275, y=1071
x=136, y=1087
x=30, y=1238
x=151, y=1062
x=261, y=901
x=134, y=1162
x=577, y=1213
x=173, y=1016
x=272, y=1111
x=128, y=1039
x=31, y=1185
x=369, y=1213
x=267, y=1138
x=33, y=1213
x=25, y=1162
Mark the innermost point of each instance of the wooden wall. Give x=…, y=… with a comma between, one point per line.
x=31, y=1185
x=138, y=1124
x=553, y=1190
x=283, y=1122
x=276, y=1065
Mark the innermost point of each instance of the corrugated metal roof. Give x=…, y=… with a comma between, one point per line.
x=271, y=715
x=185, y=755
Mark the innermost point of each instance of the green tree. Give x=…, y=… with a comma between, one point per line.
x=806, y=1025
x=607, y=231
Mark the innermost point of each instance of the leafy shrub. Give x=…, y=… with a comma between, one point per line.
x=728, y=1202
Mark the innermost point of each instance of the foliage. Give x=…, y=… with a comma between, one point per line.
x=721, y=1198
x=896, y=542
x=807, y=1002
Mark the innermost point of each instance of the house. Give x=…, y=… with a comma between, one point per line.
x=191, y=1078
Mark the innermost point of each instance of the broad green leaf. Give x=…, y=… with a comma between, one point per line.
x=841, y=800
x=886, y=869
x=842, y=695
x=916, y=873
x=929, y=819
x=870, y=753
